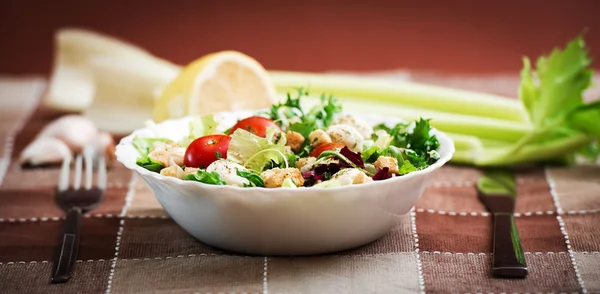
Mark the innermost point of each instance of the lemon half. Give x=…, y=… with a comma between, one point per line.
x=221, y=81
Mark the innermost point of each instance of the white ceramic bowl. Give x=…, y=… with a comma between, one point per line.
x=284, y=221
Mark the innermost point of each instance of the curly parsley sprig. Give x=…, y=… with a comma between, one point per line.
x=291, y=115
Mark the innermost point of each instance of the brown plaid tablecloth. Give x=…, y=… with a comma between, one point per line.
x=129, y=245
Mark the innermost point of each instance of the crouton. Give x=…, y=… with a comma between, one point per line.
x=361, y=178
x=318, y=137
x=274, y=178
x=172, y=171
x=389, y=162
x=177, y=154
x=161, y=156
x=305, y=163
x=189, y=171
x=294, y=140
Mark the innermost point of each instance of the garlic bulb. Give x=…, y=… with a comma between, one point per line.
x=45, y=150
x=74, y=130
x=67, y=135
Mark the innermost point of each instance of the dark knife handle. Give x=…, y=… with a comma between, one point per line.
x=65, y=260
x=509, y=259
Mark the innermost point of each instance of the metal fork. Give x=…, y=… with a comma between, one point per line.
x=75, y=200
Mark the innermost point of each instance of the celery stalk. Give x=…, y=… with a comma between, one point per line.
x=482, y=127
x=532, y=153
x=466, y=148
x=462, y=157
x=471, y=150
x=405, y=93
x=465, y=142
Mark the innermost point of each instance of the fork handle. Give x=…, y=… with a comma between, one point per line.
x=64, y=261
x=509, y=259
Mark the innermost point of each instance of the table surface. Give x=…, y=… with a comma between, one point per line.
x=129, y=245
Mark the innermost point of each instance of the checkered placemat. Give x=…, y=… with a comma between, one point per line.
x=129, y=245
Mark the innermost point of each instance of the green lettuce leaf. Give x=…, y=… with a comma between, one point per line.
x=291, y=160
x=304, y=128
x=149, y=164
x=318, y=117
x=200, y=126
x=143, y=145
x=253, y=179
x=325, y=112
x=420, y=140
x=265, y=159
x=406, y=167
x=254, y=152
x=371, y=154
x=329, y=184
x=383, y=140
x=419, y=145
x=288, y=183
x=417, y=160
x=398, y=133
x=396, y=153
x=212, y=178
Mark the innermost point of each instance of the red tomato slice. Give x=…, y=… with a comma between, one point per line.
x=325, y=147
x=255, y=124
x=205, y=150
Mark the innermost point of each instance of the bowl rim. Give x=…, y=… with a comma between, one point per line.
x=126, y=142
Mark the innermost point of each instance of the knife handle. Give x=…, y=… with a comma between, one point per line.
x=509, y=259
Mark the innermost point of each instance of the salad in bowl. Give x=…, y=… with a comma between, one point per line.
x=291, y=147
x=294, y=179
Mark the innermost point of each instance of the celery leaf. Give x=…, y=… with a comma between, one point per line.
x=561, y=79
x=552, y=94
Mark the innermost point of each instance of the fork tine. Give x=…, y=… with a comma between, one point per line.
x=63, y=180
x=88, y=160
x=102, y=173
x=77, y=180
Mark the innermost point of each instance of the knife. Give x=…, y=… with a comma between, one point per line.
x=496, y=188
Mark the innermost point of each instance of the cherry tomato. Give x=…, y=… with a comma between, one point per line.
x=325, y=147
x=205, y=150
x=255, y=124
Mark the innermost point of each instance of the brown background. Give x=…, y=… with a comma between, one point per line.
x=456, y=36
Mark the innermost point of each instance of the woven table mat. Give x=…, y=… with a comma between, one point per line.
x=129, y=245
